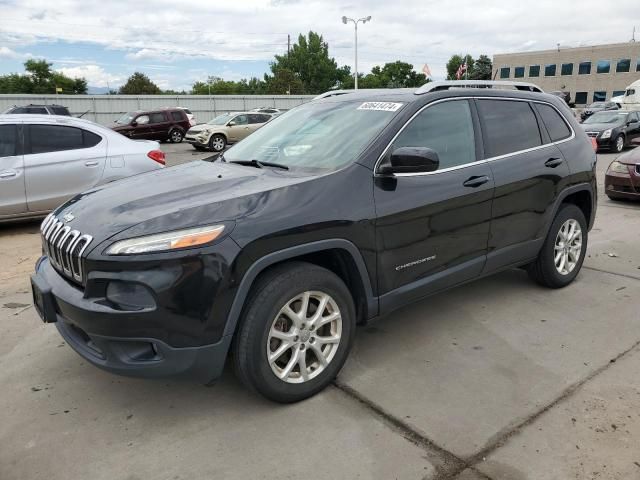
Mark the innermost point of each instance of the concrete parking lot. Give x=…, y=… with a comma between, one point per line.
x=498, y=379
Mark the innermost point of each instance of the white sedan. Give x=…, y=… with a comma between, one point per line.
x=47, y=159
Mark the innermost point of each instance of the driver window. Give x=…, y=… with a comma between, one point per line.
x=446, y=128
x=142, y=120
x=241, y=120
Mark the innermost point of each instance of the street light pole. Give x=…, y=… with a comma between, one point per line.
x=355, y=24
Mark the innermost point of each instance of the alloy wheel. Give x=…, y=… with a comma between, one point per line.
x=217, y=144
x=619, y=143
x=176, y=136
x=568, y=247
x=304, y=337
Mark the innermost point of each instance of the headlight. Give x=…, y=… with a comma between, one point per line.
x=190, y=237
x=618, y=167
x=606, y=134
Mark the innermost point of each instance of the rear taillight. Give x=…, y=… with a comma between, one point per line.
x=594, y=144
x=156, y=156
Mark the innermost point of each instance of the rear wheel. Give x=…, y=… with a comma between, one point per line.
x=296, y=332
x=563, y=251
x=217, y=142
x=175, y=136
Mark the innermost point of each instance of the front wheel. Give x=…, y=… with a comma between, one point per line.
x=296, y=332
x=618, y=145
x=563, y=251
x=217, y=142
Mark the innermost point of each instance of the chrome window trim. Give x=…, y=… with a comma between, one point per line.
x=478, y=162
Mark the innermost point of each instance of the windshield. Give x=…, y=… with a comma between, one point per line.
x=220, y=120
x=326, y=135
x=597, y=105
x=606, y=117
x=126, y=118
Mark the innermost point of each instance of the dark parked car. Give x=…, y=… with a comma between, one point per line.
x=336, y=212
x=41, y=109
x=622, y=180
x=166, y=124
x=597, y=107
x=613, y=130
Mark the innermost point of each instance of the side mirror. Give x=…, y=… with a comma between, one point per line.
x=411, y=160
x=231, y=124
x=134, y=124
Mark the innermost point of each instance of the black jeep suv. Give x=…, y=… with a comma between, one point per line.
x=338, y=211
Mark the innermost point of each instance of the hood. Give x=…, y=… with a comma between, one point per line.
x=206, y=127
x=632, y=157
x=196, y=193
x=599, y=127
x=118, y=126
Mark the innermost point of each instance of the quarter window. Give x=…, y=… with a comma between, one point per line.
x=599, y=96
x=604, y=66
x=556, y=126
x=624, y=65
x=8, y=141
x=584, y=68
x=55, y=138
x=519, y=72
x=505, y=72
x=177, y=116
x=567, y=69
x=581, y=98
x=550, y=70
x=508, y=126
x=446, y=128
x=534, y=71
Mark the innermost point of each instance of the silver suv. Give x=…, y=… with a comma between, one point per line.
x=225, y=129
x=47, y=159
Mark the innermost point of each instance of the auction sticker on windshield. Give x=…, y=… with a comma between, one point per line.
x=381, y=106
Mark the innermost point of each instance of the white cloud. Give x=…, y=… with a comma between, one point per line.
x=6, y=52
x=95, y=75
x=416, y=31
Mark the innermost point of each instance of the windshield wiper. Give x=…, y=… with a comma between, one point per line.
x=260, y=164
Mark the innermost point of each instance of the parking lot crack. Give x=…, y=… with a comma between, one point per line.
x=625, y=275
x=447, y=464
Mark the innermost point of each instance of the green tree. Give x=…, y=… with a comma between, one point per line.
x=482, y=68
x=139, y=84
x=309, y=61
x=40, y=78
x=284, y=81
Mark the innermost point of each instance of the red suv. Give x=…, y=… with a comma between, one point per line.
x=164, y=124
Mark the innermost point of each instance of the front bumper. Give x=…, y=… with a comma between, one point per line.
x=622, y=185
x=91, y=329
x=196, y=141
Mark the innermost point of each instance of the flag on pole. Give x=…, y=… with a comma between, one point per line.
x=426, y=70
x=461, y=70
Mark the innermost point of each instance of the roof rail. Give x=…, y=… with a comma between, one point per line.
x=498, y=84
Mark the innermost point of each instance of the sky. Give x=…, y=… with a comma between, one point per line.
x=178, y=43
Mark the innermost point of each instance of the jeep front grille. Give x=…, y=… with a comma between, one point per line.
x=64, y=247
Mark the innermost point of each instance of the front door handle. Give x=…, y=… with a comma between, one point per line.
x=8, y=174
x=474, y=182
x=553, y=162
x=91, y=164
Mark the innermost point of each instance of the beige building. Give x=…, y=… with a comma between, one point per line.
x=589, y=73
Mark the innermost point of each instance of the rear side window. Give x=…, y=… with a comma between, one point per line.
x=60, y=110
x=36, y=110
x=556, y=126
x=509, y=126
x=56, y=138
x=177, y=116
x=8, y=141
x=157, y=117
x=257, y=118
x=447, y=128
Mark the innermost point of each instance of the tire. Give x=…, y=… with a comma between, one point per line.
x=544, y=269
x=618, y=144
x=176, y=135
x=286, y=285
x=217, y=142
x=615, y=199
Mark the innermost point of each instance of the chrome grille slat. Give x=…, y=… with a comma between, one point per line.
x=64, y=247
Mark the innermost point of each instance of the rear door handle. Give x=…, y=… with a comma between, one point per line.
x=474, y=182
x=553, y=162
x=91, y=164
x=8, y=174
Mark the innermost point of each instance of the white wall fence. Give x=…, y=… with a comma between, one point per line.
x=105, y=109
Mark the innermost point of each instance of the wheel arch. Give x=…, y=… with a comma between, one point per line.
x=340, y=256
x=582, y=196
